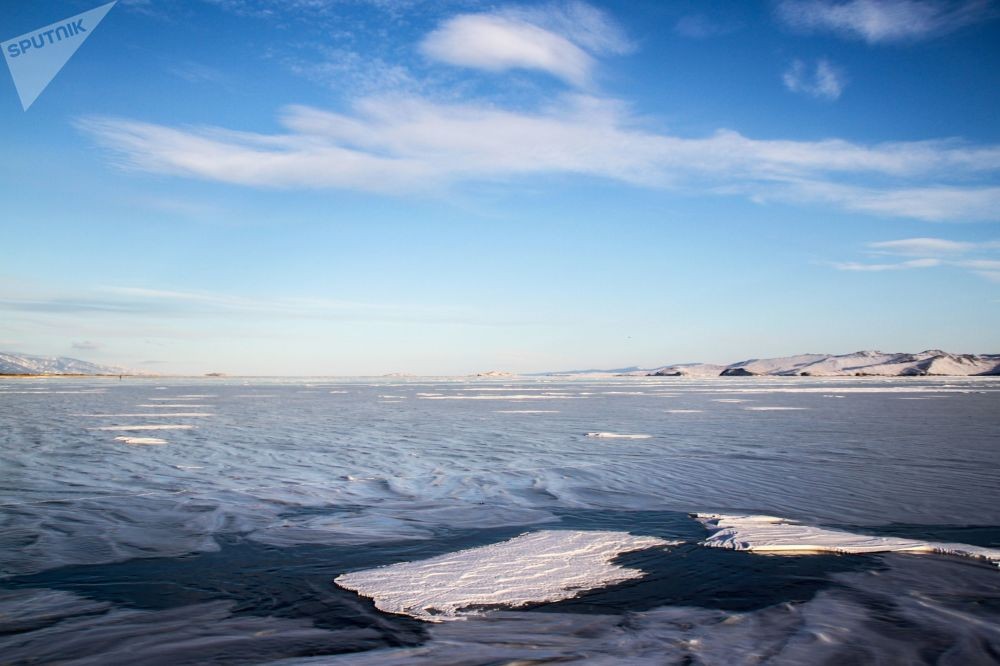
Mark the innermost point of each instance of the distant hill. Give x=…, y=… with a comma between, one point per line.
x=26, y=364
x=862, y=363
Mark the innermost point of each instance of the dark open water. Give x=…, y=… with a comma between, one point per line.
x=220, y=546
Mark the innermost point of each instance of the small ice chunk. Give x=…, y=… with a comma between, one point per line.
x=616, y=435
x=141, y=441
x=147, y=415
x=144, y=427
x=774, y=409
x=544, y=566
x=517, y=396
x=186, y=405
x=769, y=534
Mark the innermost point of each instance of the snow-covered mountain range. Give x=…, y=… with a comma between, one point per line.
x=862, y=363
x=26, y=364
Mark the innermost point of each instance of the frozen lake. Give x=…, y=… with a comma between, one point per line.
x=204, y=521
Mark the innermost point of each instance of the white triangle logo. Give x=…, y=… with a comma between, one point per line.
x=35, y=57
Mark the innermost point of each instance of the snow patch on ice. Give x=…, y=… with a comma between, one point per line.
x=544, y=566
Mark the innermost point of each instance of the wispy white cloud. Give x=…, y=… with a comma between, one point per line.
x=876, y=21
x=935, y=252
x=273, y=9
x=353, y=73
x=932, y=202
x=412, y=144
x=922, y=246
x=581, y=23
x=560, y=39
x=823, y=80
x=902, y=265
x=981, y=264
x=408, y=142
x=86, y=345
x=164, y=304
x=196, y=72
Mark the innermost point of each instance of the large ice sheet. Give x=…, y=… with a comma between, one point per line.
x=769, y=534
x=544, y=566
x=320, y=468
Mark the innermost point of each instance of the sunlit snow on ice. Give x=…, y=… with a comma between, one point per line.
x=548, y=565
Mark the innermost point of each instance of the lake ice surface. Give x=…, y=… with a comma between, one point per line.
x=220, y=543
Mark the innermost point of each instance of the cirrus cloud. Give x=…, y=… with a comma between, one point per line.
x=977, y=257
x=902, y=265
x=877, y=21
x=411, y=144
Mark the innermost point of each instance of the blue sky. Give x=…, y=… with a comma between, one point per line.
x=350, y=187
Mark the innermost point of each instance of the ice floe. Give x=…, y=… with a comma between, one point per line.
x=518, y=396
x=144, y=427
x=769, y=534
x=147, y=415
x=774, y=409
x=141, y=441
x=616, y=435
x=544, y=566
x=186, y=405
